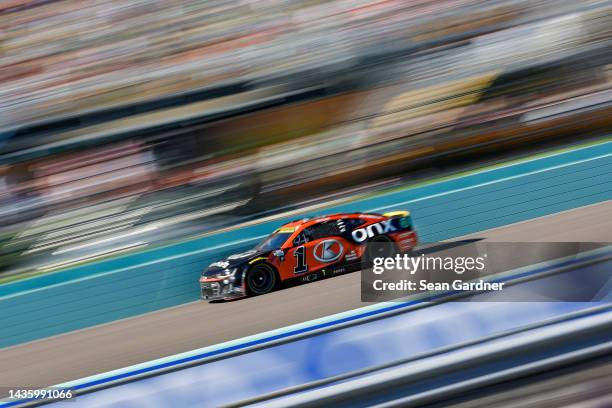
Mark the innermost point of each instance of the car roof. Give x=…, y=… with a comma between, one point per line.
x=307, y=222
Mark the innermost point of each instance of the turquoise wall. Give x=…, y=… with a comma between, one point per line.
x=133, y=284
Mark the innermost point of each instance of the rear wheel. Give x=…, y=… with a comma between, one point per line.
x=380, y=246
x=261, y=279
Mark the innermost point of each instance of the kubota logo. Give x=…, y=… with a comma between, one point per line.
x=328, y=251
x=361, y=234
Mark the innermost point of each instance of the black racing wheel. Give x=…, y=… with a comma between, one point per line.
x=261, y=279
x=379, y=246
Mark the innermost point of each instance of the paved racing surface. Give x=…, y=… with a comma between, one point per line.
x=119, y=344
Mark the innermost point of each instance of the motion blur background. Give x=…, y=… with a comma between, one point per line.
x=127, y=123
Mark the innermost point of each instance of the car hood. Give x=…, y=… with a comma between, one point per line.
x=233, y=261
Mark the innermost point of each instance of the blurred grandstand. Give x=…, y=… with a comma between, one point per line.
x=131, y=123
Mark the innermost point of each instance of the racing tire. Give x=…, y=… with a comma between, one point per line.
x=380, y=246
x=261, y=279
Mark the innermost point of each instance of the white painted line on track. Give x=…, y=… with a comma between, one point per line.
x=487, y=183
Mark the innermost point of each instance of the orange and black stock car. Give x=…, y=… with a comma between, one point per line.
x=307, y=249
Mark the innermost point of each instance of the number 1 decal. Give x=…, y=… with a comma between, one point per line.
x=300, y=262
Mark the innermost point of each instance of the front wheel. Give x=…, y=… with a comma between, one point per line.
x=261, y=279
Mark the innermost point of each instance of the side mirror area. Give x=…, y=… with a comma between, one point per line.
x=279, y=253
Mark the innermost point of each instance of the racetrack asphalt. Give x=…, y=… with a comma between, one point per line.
x=135, y=340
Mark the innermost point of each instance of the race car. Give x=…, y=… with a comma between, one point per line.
x=308, y=249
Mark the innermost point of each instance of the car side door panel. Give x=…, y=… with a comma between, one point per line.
x=314, y=256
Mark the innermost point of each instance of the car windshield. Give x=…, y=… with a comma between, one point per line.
x=274, y=241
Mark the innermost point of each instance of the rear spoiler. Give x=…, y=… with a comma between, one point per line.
x=400, y=213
